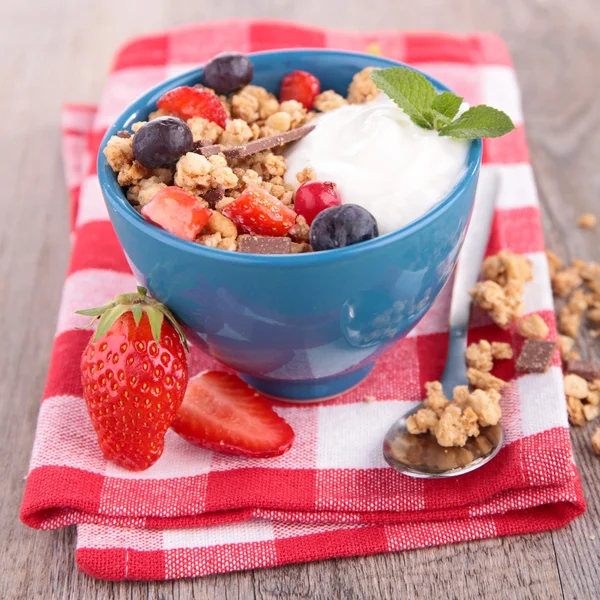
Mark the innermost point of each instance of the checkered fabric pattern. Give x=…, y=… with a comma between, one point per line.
x=195, y=512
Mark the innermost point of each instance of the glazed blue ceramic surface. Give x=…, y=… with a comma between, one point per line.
x=298, y=327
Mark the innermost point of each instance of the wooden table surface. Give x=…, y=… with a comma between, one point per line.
x=57, y=51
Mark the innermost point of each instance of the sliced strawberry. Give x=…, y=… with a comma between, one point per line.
x=256, y=211
x=187, y=102
x=222, y=413
x=177, y=211
x=301, y=86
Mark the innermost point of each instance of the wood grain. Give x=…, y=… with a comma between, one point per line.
x=56, y=51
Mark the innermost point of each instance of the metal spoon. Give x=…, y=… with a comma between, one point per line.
x=421, y=455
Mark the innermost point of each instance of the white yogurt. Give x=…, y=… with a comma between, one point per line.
x=380, y=160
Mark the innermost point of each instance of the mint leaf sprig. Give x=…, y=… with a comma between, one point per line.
x=417, y=97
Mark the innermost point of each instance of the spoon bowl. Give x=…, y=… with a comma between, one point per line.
x=421, y=455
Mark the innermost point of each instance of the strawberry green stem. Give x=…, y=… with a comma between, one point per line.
x=137, y=303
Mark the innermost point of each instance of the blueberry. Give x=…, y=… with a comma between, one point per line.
x=341, y=226
x=161, y=142
x=227, y=72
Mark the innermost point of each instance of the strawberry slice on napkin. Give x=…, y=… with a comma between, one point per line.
x=222, y=413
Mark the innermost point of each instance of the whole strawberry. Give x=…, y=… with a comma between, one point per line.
x=134, y=375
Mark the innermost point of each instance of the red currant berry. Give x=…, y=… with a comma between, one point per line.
x=301, y=86
x=313, y=197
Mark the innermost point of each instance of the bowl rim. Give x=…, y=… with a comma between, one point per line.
x=114, y=196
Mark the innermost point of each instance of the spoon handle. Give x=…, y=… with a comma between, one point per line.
x=465, y=277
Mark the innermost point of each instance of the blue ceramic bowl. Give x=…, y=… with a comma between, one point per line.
x=296, y=327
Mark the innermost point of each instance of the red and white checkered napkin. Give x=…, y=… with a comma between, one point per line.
x=195, y=512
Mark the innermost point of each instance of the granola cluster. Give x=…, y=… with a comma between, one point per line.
x=500, y=293
x=329, y=100
x=481, y=355
x=583, y=399
x=362, y=89
x=254, y=113
x=453, y=422
x=533, y=327
x=587, y=221
x=576, y=288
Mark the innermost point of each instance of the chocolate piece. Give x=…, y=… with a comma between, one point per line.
x=207, y=151
x=259, y=145
x=584, y=368
x=123, y=134
x=536, y=356
x=214, y=195
x=201, y=144
x=259, y=244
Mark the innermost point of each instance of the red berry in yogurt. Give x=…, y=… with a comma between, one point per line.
x=258, y=212
x=301, y=86
x=178, y=212
x=313, y=197
x=188, y=102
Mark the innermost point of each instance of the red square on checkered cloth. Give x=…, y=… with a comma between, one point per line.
x=195, y=512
